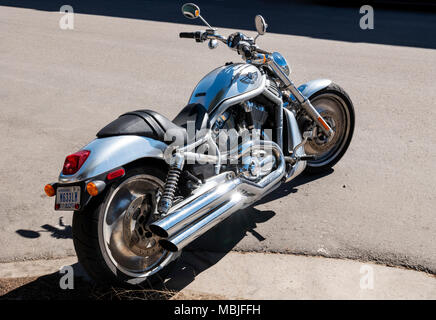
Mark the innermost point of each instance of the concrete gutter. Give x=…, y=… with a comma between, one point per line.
x=274, y=276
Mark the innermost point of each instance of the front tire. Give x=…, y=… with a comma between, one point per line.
x=110, y=235
x=335, y=106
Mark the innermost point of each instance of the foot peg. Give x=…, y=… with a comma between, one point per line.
x=307, y=157
x=307, y=135
x=293, y=160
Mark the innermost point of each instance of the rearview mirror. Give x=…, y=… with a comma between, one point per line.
x=191, y=10
x=261, y=25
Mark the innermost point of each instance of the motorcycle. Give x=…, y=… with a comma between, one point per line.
x=146, y=187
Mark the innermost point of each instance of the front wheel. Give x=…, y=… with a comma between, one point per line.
x=111, y=236
x=335, y=106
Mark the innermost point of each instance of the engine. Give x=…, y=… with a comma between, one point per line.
x=233, y=128
x=256, y=114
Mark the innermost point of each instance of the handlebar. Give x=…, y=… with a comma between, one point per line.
x=244, y=47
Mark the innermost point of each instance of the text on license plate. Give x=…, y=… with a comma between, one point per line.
x=67, y=198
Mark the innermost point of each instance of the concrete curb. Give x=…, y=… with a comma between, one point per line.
x=273, y=276
x=33, y=268
x=281, y=276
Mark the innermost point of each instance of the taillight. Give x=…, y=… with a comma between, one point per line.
x=74, y=161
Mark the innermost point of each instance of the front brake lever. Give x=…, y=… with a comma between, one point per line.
x=262, y=51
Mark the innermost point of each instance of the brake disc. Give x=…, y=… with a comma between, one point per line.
x=137, y=236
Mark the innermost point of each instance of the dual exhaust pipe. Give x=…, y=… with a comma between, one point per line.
x=216, y=200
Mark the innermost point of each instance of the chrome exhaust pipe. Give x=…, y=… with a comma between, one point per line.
x=192, y=219
x=218, y=214
x=177, y=220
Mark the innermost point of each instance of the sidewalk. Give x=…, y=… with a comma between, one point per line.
x=271, y=276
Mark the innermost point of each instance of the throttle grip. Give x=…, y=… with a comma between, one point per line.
x=190, y=35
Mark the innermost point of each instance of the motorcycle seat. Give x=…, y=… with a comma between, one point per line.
x=151, y=124
x=193, y=113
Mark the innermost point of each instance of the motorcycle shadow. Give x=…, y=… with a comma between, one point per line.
x=197, y=257
x=215, y=244
x=211, y=247
x=47, y=287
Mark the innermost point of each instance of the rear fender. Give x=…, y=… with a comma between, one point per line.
x=113, y=152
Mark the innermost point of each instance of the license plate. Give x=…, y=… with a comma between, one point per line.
x=68, y=198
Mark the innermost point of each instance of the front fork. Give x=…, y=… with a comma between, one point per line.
x=302, y=100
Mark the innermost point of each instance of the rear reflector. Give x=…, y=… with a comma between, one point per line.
x=115, y=174
x=74, y=162
x=324, y=124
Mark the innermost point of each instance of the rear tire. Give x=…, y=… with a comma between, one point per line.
x=334, y=104
x=90, y=226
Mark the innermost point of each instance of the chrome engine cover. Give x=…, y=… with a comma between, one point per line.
x=257, y=165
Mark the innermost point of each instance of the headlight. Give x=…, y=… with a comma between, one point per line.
x=281, y=61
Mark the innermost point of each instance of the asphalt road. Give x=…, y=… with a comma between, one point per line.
x=59, y=87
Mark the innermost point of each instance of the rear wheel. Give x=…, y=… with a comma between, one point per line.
x=335, y=106
x=111, y=235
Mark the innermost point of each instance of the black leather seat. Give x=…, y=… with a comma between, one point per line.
x=151, y=124
x=195, y=113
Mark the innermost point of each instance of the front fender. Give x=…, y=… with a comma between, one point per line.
x=112, y=152
x=309, y=88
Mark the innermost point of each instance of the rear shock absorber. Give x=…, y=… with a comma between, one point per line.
x=166, y=200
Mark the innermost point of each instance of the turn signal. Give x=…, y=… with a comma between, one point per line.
x=92, y=189
x=49, y=190
x=95, y=187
